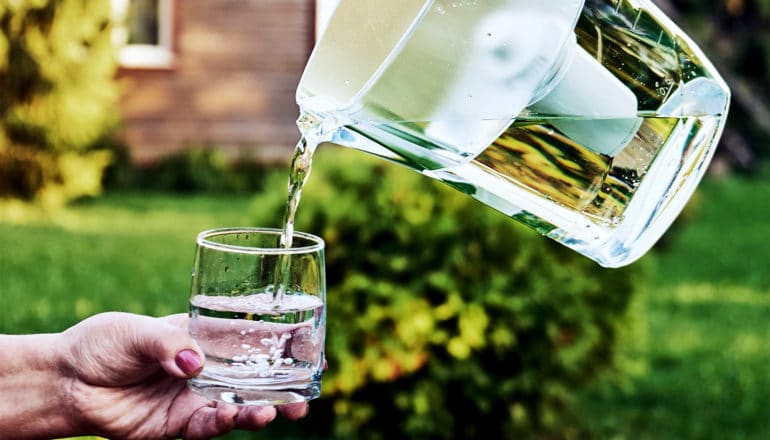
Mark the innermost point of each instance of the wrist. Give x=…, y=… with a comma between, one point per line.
x=35, y=387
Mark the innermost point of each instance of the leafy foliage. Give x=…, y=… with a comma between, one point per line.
x=58, y=100
x=192, y=170
x=446, y=319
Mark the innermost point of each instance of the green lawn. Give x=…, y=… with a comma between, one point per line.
x=703, y=369
x=699, y=365
x=121, y=252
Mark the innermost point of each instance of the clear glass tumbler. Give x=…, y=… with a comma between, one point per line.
x=263, y=345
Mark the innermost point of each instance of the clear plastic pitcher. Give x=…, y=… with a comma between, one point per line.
x=591, y=121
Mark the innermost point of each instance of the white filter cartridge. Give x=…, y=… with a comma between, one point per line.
x=595, y=109
x=525, y=56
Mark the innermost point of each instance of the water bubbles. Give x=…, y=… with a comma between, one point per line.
x=440, y=10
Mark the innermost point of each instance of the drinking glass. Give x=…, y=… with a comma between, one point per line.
x=258, y=312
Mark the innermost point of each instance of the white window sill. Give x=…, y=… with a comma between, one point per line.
x=145, y=56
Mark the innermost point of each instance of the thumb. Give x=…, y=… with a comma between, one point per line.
x=173, y=348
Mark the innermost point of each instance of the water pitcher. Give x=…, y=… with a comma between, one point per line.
x=590, y=120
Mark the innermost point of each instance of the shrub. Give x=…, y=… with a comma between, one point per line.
x=446, y=319
x=192, y=170
x=58, y=97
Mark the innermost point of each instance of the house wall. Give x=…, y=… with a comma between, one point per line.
x=232, y=83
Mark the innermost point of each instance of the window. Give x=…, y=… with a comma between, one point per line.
x=144, y=30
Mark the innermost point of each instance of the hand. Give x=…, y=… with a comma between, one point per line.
x=126, y=378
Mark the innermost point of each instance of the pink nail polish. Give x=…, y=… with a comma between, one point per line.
x=188, y=361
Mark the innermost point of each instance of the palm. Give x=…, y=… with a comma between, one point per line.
x=123, y=392
x=159, y=406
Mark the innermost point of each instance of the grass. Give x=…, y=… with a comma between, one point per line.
x=126, y=252
x=702, y=368
x=698, y=367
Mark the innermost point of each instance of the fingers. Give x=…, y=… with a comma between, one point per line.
x=173, y=347
x=294, y=411
x=188, y=361
x=254, y=418
x=219, y=418
x=177, y=320
x=211, y=421
x=170, y=345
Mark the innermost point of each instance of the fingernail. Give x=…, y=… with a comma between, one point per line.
x=188, y=361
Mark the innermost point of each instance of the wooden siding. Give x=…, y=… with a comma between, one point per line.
x=236, y=67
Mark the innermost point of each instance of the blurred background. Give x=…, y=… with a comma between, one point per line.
x=127, y=126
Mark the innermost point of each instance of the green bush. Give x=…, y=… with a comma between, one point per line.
x=192, y=170
x=58, y=97
x=446, y=319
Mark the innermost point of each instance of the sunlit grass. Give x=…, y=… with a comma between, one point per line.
x=702, y=363
x=702, y=293
x=704, y=372
x=728, y=240
x=125, y=252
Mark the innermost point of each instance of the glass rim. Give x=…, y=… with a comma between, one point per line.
x=317, y=243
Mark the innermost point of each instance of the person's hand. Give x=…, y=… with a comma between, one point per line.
x=126, y=378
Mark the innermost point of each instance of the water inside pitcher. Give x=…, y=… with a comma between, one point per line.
x=591, y=121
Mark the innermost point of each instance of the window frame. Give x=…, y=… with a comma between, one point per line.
x=145, y=56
